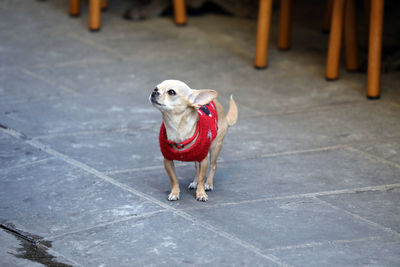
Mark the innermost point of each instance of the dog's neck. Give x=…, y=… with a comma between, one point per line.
x=180, y=127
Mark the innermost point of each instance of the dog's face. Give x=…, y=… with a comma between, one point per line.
x=171, y=96
x=174, y=96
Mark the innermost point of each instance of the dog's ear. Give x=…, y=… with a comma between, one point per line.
x=202, y=97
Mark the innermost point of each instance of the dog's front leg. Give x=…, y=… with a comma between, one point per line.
x=200, y=192
x=170, y=168
x=193, y=185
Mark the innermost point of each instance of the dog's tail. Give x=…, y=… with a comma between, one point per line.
x=232, y=114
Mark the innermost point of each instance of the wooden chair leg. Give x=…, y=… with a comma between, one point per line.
x=375, y=49
x=367, y=14
x=263, y=27
x=74, y=8
x=94, y=15
x=104, y=4
x=335, y=40
x=180, y=12
x=350, y=36
x=327, y=16
x=285, y=23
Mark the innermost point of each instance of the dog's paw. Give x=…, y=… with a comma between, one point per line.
x=202, y=197
x=208, y=187
x=173, y=197
x=192, y=185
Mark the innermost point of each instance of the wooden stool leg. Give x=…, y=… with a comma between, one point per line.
x=180, y=12
x=104, y=4
x=375, y=49
x=264, y=23
x=74, y=8
x=285, y=23
x=327, y=16
x=350, y=36
x=335, y=40
x=94, y=15
x=367, y=15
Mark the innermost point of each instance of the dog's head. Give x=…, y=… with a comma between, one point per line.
x=174, y=96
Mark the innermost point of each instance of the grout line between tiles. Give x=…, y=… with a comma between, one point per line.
x=304, y=151
x=149, y=168
x=368, y=155
x=397, y=105
x=278, y=154
x=27, y=164
x=97, y=46
x=30, y=100
x=308, y=195
x=319, y=244
x=76, y=63
x=372, y=141
x=50, y=82
x=371, y=223
x=144, y=215
x=58, y=254
x=313, y=108
x=221, y=40
x=93, y=132
x=38, y=244
x=288, y=153
x=12, y=132
x=305, y=109
x=5, y=69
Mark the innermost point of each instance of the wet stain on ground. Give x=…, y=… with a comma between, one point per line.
x=33, y=248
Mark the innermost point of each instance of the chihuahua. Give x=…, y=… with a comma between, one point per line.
x=193, y=128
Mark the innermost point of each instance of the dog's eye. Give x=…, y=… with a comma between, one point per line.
x=156, y=90
x=171, y=92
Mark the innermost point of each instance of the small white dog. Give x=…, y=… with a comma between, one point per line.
x=194, y=125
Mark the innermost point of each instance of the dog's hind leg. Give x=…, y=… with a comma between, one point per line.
x=200, y=192
x=214, y=153
x=193, y=185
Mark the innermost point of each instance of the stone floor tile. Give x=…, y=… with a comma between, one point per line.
x=49, y=50
x=387, y=150
x=108, y=78
x=111, y=151
x=163, y=239
x=15, y=152
x=375, y=252
x=380, y=207
x=319, y=128
x=37, y=42
x=281, y=223
x=16, y=86
x=78, y=114
x=17, y=252
x=13, y=251
x=53, y=198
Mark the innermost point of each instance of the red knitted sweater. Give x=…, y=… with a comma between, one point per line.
x=208, y=128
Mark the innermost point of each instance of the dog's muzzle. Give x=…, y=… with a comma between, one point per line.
x=153, y=98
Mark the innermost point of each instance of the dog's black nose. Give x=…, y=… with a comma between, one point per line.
x=155, y=93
